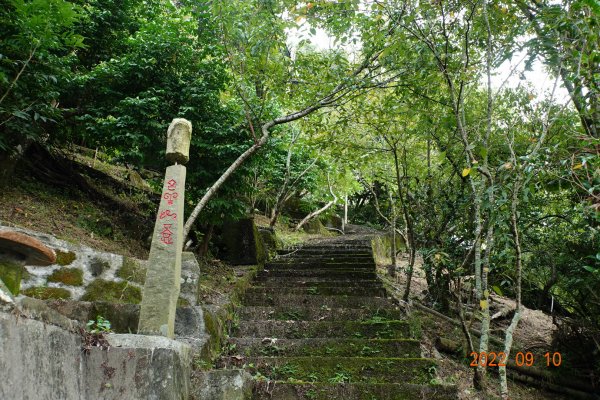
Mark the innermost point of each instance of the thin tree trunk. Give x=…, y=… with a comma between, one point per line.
x=320, y=210
x=392, y=268
x=314, y=214
x=518, y=265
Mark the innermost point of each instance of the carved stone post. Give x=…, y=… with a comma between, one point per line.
x=161, y=290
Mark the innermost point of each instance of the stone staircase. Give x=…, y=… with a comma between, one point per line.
x=317, y=324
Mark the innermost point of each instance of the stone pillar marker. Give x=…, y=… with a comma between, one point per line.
x=163, y=276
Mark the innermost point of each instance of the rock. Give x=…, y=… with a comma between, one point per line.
x=179, y=136
x=98, y=266
x=190, y=278
x=314, y=226
x=136, y=180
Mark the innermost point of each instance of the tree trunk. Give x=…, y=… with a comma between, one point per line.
x=203, y=248
x=518, y=266
x=394, y=251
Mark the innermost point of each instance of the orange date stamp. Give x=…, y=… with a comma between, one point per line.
x=500, y=359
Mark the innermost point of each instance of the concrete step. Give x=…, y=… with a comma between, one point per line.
x=312, y=347
x=328, y=252
x=334, y=274
x=338, y=369
x=322, y=329
x=353, y=391
x=316, y=256
x=318, y=290
x=329, y=265
x=316, y=282
x=317, y=313
x=277, y=299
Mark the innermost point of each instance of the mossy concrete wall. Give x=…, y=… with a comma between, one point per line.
x=382, y=247
x=43, y=361
x=243, y=243
x=82, y=273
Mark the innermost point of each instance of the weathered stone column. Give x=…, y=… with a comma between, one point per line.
x=161, y=290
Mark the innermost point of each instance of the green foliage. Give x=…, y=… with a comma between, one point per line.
x=35, y=37
x=99, y=325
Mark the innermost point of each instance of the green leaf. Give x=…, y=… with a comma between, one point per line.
x=497, y=290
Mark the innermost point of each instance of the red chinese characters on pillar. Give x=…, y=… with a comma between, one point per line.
x=167, y=213
x=166, y=235
x=172, y=185
x=170, y=197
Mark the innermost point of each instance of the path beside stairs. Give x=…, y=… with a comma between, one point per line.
x=317, y=324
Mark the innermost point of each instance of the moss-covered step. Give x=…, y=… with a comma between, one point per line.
x=47, y=293
x=323, y=329
x=275, y=299
x=365, y=247
x=317, y=264
x=333, y=274
x=326, y=257
x=316, y=282
x=389, y=348
x=113, y=292
x=320, y=290
x=330, y=252
x=318, y=313
x=352, y=391
x=340, y=369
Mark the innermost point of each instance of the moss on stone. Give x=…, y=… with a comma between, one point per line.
x=344, y=369
x=132, y=271
x=114, y=292
x=11, y=274
x=261, y=251
x=181, y=302
x=47, y=293
x=68, y=276
x=65, y=257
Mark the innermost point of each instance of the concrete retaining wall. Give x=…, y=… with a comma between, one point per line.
x=45, y=362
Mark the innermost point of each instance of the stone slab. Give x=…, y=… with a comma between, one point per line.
x=227, y=384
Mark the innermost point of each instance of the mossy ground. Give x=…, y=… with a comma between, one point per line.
x=114, y=292
x=47, y=293
x=132, y=271
x=79, y=217
x=67, y=276
x=65, y=257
